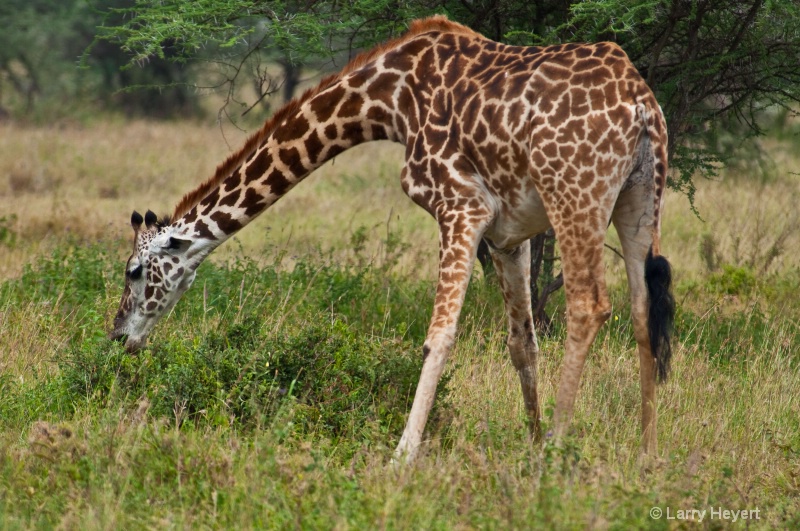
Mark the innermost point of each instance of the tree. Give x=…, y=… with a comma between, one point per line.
x=41, y=46
x=239, y=39
x=712, y=63
x=31, y=30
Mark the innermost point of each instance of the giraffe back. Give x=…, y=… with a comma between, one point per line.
x=526, y=122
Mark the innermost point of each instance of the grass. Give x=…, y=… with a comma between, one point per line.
x=273, y=395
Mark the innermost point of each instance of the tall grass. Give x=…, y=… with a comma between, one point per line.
x=274, y=393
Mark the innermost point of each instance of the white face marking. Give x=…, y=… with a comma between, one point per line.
x=158, y=273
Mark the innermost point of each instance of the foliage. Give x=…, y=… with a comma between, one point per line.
x=47, y=281
x=342, y=382
x=239, y=40
x=26, y=58
x=339, y=385
x=7, y=235
x=733, y=280
x=43, y=64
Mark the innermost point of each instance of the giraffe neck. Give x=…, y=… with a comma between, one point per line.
x=321, y=127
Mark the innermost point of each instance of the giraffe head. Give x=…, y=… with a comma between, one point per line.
x=160, y=270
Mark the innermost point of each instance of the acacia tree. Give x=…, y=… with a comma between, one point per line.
x=239, y=40
x=715, y=65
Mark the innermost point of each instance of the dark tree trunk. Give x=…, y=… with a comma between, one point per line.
x=485, y=258
x=542, y=258
x=291, y=73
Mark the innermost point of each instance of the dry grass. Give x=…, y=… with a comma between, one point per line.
x=82, y=182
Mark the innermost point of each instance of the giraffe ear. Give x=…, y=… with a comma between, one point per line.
x=136, y=220
x=150, y=219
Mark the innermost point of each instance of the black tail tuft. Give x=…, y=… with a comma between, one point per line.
x=658, y=277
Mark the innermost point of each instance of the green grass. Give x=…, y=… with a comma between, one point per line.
x=273, y=398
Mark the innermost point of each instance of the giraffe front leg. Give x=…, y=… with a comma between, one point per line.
x=457, y=253
x=514, y=270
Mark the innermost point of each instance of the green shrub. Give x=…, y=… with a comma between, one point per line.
x=326, y=363
x=733, y=280
x=8, y=236
x=340, y=383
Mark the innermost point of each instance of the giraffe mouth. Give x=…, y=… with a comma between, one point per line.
x=131, y=345
x=118, y=336
x=121, y=337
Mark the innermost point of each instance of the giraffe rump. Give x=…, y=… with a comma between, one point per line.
x=661, y=316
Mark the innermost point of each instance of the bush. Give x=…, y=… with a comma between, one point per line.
x=733, y=280
x=72, y=277
x=338, y=383
x=328, y=364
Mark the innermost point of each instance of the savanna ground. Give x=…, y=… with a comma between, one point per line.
x=273, y=395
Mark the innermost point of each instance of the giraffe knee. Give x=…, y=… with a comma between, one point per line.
x=591, y=318
x=523, y=358
x=641, y=333
x=523, y=349
x=436, y=349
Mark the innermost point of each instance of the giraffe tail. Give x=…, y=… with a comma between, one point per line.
x=657, y=271
x=661, y=314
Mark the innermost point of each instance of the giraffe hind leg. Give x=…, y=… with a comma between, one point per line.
x=513, y=272
x=633, y=219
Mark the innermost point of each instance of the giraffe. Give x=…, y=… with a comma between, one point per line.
x=502, y=143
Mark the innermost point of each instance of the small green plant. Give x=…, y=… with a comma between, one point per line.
x=733, y=280
x=8, y=236
x=74, y=276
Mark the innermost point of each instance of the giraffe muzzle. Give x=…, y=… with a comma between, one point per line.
x=117, y=335
x=131, y=345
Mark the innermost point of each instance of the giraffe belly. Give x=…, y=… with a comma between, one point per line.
x=512, y=226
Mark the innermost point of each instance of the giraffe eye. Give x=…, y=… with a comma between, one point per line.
x=176, y=244
x=135, y=273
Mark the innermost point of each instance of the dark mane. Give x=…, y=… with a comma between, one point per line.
x=418, y=27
